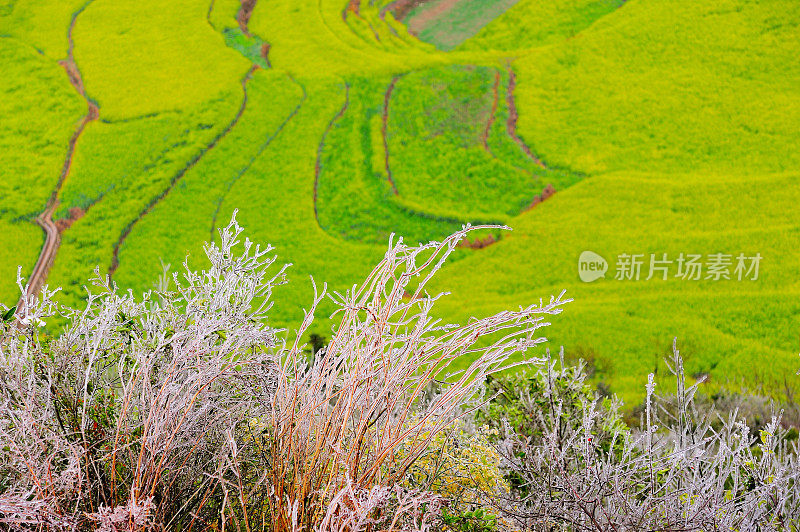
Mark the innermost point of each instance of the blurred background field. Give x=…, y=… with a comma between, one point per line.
x=330, y=124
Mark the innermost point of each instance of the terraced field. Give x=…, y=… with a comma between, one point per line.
x=131, y=130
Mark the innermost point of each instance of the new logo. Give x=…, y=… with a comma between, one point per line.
x=591, y=266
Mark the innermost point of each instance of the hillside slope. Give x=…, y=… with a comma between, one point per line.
x=330, y=126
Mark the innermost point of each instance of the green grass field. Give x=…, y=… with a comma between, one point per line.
x=663, y=130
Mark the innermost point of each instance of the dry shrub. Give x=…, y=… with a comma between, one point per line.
x=120, y=422
x=576, y=467
x=337, y=426
x=181, y=410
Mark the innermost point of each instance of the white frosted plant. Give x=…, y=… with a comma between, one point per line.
x=180, y=409
x=128, y=407
x=685, y=470
x=330, y=445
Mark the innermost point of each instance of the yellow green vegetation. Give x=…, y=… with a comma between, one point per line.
x=143, y=57
x=708, y=88
x=738, y=331
x=532, y=23
x=40, y=111
x=455, y=464
x=663, y=130
x=685, y=120
x=41, y=24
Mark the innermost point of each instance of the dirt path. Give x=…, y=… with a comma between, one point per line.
x=321, y=146
x=547, y=193
x=45, y=219
x=478, y=243
x=513, y=116
x=253, y=159
x=243, y=15
x=182, y=172
x=492, y=115
x=384, y=132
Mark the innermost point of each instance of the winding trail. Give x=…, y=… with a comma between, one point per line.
x=182, y=172
x=45, y=220
x=384, y=132
x=253, y=159
x=513, y=115
x=243, y=15
x=492, y=115
x=321, y=146
x=487, y=132
x=547, y=193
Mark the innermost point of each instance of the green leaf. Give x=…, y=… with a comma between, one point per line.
x=9, y=313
